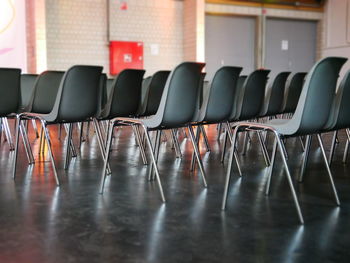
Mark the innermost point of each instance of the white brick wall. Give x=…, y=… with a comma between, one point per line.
x=157, y=22
x=76, y=33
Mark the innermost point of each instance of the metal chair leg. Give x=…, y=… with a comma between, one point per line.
x=223, y=152
x=70, y=142
x=273, y=158
x=100, y=143
x=305, y=158
x=302, y=143
x=296, y=202
x=154, y=164
x=202, y=130
x=328, y=169
x=41, y=142
x=199, y=160
x=228, y=128
x=245, y=143
x=59, y=131
x=107, y=152
x=331, y=153
x=197, y=138
x=156, y=148
x=139, y=143
x=35, y=128
x=26, y=144
x=219, y=129
x=68, y=152
x=176, y=143
x=229, y=168
x=81, y=134
x=18, y=119
x=47, y=137
x=8, y=134
x=345, y=156
x=263, y=149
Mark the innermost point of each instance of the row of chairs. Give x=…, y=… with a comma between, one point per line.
x=166, y=101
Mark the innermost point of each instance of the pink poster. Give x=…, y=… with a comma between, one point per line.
x=12, y=34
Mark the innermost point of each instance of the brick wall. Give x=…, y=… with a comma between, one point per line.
x=156, y=23
x=76, y=33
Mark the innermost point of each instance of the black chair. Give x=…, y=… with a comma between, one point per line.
x=9, y=99
x=293, y=90
x=77, y=100
x=176, y=109
x=310, y=117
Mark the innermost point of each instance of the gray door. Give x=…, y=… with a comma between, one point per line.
x=229, y=41
x=290, y=45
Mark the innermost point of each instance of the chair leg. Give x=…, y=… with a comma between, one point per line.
x=305, y=158
x=296, y=202
x=235, y=151
x=345, y=156
x=42, y=141
x=302, y=143
x=328, y=169
x=176, y=143
x=107, y=152
x=100, y=143
x=26, y=144
x=245, y=143
x=202, y=130
x=35, y=128
x=48, y=141
x=8, y=134
x=219, y=130
x=156, y=148
x=224, y=146
x=199, y=160
x=70, y=142
x=139, y=142
x=263, y=149
x=148, y=140
x=273, y=158
x=331, y=153
x=229, y=168
x=81, y=134
x=68, y=152
x=193, y=164
x=59, y=131
x=18, y=119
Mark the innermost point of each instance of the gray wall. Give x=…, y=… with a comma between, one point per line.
x=301, y=37
x=229, y=41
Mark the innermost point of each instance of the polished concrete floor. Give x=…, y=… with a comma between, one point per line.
x=128, y=223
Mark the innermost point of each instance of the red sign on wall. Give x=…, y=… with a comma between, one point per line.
x=124, y=55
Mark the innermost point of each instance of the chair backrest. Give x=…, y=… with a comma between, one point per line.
x=144, y=95
x=339, y=117
x=218, y=101
x=294, y=87
x=102, y=94
x=45, y=92
x=252, y=95
x=275, y=95
x=237, y=100
x=317, y=95
x=155, y=91
x=109, y=86
x=180, y=96
x=27, y=89
x=78, y=95
x=125, y=94
x=9, y=90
